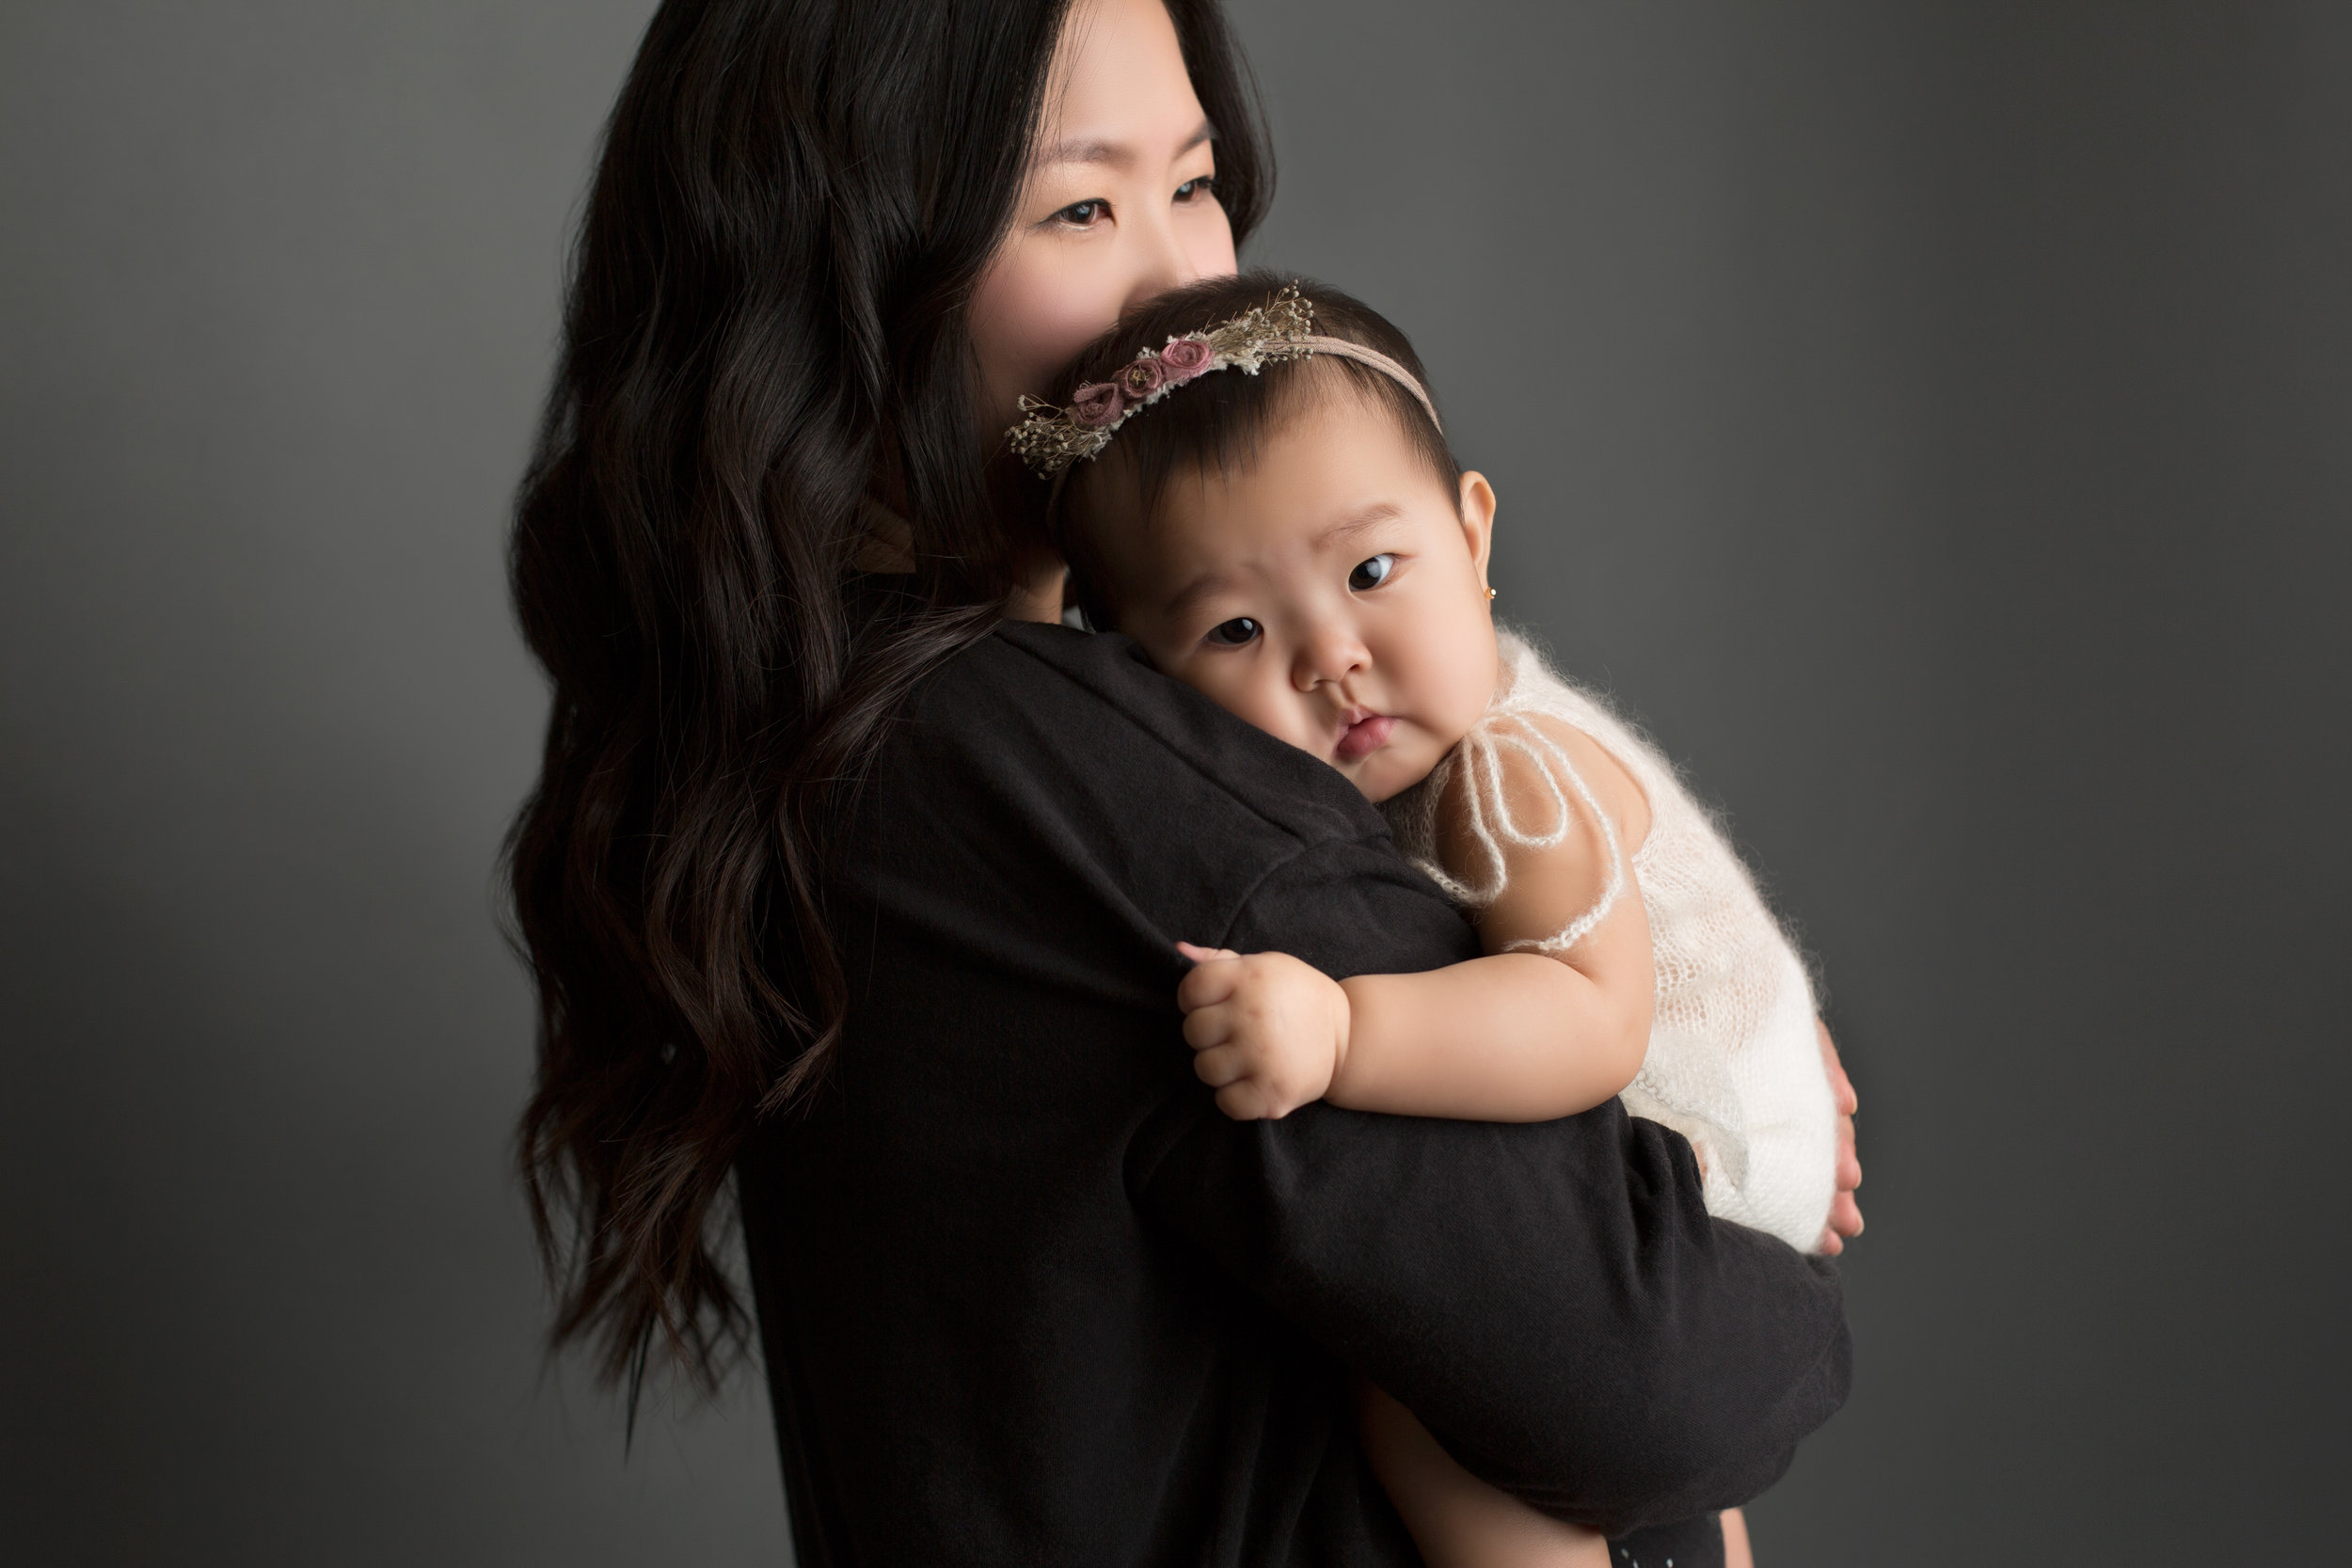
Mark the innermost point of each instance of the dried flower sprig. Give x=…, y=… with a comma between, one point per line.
x=1049, y=439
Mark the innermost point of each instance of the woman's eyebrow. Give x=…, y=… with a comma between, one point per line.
x=1081, y=150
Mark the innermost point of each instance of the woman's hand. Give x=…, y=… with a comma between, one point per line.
x=1845, y=1215
x=1270, y=1032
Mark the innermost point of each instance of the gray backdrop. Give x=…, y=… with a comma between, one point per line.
x=1931, y=419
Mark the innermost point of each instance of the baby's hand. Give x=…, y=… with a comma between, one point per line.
x=1270, y=1032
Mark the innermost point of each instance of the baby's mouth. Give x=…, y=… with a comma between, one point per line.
x=1362, y=736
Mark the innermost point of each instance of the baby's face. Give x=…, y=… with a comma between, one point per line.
x=1334, y=595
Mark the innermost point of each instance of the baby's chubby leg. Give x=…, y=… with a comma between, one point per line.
x=1458, y=1520
x=1737, y=1552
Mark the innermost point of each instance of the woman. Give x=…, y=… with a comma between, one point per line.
x=853, y=880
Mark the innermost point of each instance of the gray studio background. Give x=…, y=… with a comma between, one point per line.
x=1931, y=419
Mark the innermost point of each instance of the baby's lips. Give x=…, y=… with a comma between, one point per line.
x=1364, y=737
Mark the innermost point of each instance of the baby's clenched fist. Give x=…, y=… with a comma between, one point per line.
x=1268, y=1032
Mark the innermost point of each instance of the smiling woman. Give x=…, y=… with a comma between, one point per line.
x=854, y=893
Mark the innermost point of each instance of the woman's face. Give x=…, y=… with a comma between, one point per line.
x=1120, y=204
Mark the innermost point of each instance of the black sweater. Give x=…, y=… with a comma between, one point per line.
x=1027, y=1297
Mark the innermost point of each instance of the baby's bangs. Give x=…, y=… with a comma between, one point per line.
x=1221, y=423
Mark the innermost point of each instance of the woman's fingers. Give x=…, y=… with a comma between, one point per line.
x=1845, y=1220
x=1845, y=1215
x=1205, y=954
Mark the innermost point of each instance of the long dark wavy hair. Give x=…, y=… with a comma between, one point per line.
x=764, y=311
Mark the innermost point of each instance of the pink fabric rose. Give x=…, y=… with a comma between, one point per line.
x=1139, y=379
x=1185, y=357
x=1096, y=405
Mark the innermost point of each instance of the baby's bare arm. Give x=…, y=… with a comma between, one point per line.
x=1519, y=1035
x=1511, y=1037
x=1516, y=1036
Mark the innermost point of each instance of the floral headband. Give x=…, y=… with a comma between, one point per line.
x=1049, y=439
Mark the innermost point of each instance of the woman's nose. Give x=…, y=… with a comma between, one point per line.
x=1162, y=263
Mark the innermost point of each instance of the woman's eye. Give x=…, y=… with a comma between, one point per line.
x=1372, y=573
x=1234, y=633
x=1195, y=188
x=1082, y=215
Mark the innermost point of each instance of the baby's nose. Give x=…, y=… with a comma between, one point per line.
x=1328, y=656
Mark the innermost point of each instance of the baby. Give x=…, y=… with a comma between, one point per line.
x=1252, y=481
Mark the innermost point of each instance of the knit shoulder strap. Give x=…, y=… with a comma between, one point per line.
x=1493, y=824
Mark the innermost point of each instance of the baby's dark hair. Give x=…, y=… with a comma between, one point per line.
x=1220, y=420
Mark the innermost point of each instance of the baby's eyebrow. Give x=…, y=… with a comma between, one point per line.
x=1359, y=522
x=1193, y=591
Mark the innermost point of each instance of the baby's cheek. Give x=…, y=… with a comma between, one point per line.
x=1399, y=766
x=1283, y=721
x=1454, y=707
x=1451, y=662
x=1249, y=701
x=1475, y=687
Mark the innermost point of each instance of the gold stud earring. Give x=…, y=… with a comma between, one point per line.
x=1491, y=593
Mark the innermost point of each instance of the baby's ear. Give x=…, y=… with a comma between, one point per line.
x=1478, y=520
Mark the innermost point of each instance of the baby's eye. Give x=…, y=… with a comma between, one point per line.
x=1083, y=215
x=1371, y=574
x=1236, y=632
x=1193, y=189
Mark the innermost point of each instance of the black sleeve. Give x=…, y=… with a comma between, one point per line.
x=1552, y=1299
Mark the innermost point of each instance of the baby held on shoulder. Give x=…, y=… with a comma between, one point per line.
x=1252, y=481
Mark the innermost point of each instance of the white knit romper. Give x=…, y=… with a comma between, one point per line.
x=1734, y=1064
